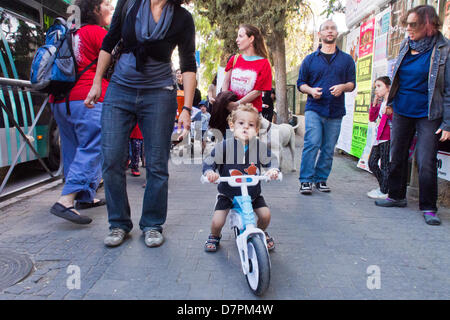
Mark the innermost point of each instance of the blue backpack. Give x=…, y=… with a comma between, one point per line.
x=54, y=68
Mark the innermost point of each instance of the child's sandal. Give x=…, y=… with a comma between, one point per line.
x=270, y=242
x=212, y=243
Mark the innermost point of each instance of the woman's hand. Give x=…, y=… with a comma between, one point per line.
x=184, y=120
x=94, y=94
x=445, y=135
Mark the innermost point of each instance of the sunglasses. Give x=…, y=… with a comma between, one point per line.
x=412, y=24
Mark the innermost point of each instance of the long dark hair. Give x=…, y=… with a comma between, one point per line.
x=87, y=10
x=385, y=79
x=220, y=113
x=426, y=17
x=259, y=44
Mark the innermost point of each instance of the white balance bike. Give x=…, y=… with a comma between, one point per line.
x=250, y=240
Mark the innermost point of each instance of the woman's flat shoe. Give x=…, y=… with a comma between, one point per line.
x=88, y=205
x=431, y=218
x=67, y=213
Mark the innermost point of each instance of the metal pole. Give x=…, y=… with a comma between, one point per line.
x=26, y=86
x=10, y=115
x=22, y=147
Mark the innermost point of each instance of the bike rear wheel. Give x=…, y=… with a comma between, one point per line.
x=258, y=278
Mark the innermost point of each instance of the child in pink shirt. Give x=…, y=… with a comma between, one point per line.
x=382, y=115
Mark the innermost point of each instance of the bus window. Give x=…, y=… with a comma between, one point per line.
x=22, y=39
x=28, y=10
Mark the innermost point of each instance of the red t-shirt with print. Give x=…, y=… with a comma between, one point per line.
x=86, y=46
x=247, y=76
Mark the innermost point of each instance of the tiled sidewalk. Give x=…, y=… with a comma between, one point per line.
x=325, y=244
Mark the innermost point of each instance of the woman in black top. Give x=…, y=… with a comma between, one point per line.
x=142, y=90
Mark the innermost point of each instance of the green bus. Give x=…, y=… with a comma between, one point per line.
x=23, y=25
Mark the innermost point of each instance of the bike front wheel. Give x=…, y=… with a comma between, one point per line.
x=258, y=277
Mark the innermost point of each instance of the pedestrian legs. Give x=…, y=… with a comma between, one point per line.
x=312, y=143
x=330, y=134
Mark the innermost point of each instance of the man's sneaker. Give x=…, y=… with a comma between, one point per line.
x=306, y=188
x=388, y=202
x=322, y=186
x=377, y=194
x=153, y=238
x=431, y=218
x=115, y=237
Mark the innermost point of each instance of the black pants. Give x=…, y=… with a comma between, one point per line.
x=380, y=152
x=403, y=130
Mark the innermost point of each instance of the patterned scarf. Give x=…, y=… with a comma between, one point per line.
x=422, y=45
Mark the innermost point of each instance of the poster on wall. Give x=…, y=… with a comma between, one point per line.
x=362, y=104
x=396, y=31
x=379, y=69
x=443, y=165
x=446, y=26
x=382, y=21
x=345, y=138
x=366, y=38
x=356, y=10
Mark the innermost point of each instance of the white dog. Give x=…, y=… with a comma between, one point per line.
x=286, y=138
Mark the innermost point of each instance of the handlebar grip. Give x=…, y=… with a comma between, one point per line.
x=280, y=176
x=204, y=179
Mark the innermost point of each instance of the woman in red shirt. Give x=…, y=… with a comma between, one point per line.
x=249, y=73
x=80, y=131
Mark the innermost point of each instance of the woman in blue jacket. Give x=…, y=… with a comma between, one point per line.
x=420, y=97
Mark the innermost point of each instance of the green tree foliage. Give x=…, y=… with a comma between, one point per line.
x=299, y=39
x=270, y=16
x=210, y=47
x=333, y=6
x=226, y=15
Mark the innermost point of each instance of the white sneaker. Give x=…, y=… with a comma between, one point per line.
x=377, y=194
x=153, y=238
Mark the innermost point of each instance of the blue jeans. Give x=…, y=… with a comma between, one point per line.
x=81, y=148
x=321, y=134
x=154, y=110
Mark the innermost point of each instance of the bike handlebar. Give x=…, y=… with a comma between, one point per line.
x=237, y=181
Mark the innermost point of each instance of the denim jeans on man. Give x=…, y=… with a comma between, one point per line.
x=321, y=134
x=154, y=110
x=403, y=130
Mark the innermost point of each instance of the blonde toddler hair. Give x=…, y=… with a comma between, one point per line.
x=248, y=107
